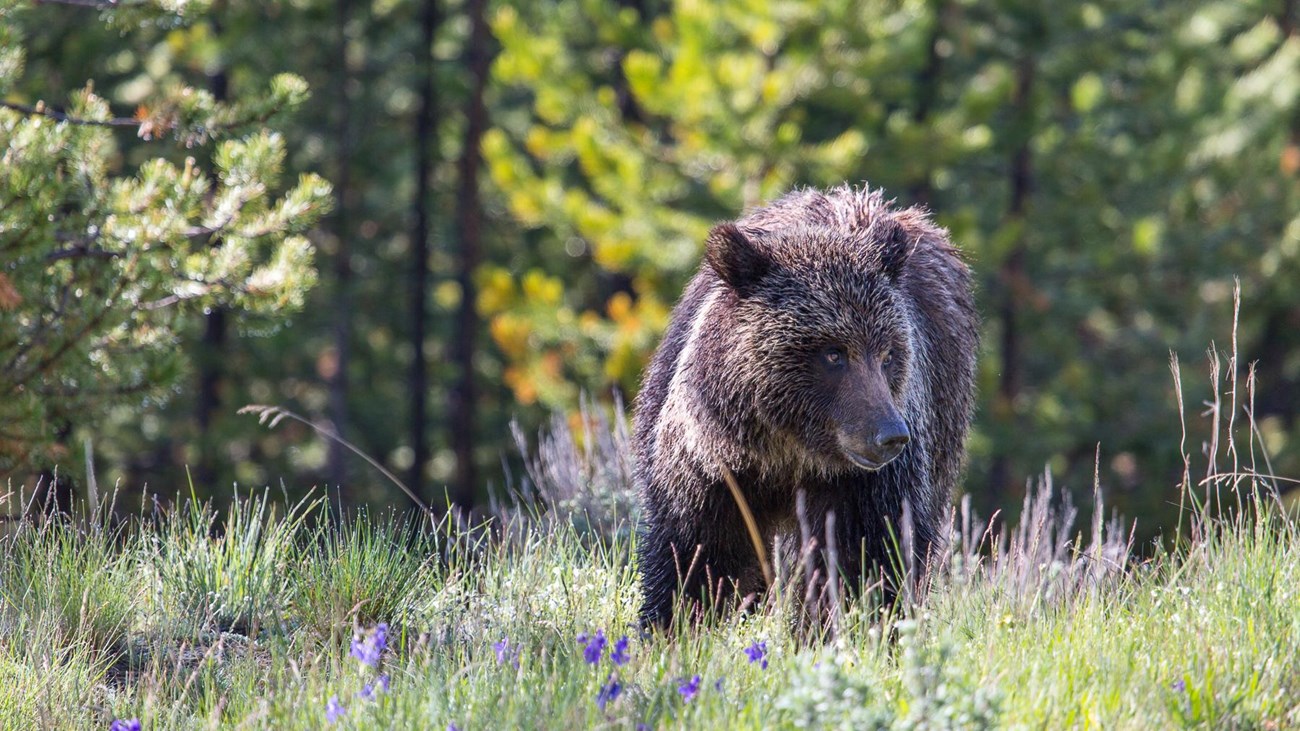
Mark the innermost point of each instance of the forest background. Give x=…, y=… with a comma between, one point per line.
x=413, y=222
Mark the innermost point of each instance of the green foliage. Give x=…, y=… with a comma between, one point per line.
x=106, y=263
x=1108, y=167
x=830, y=694
x=237, y=580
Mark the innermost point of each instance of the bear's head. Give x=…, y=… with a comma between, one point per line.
x=821, y=342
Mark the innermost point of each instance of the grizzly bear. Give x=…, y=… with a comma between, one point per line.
x=826, y=346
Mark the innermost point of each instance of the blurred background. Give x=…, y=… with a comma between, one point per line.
x=521, y=189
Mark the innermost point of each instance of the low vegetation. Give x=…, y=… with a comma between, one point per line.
x=308, y=618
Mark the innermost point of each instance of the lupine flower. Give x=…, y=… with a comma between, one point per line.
x=1179, y=685
x=595, y=646
x=608, y=692
x=757, y=653
x=619, y=655
x=642, y=727
x=369, y=649
x=125, y=724
x=334, y=710
x=689, y=688
x=505, y=652
x=717, y=685
x=452, y=727
x=372, y=690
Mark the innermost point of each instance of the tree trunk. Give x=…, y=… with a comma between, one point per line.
x=1011, y=274
x=1279, y=394
x=211, y=368
x=469, y=225
x=208, y=401
x=627, y=105
x=338, y=379
x=59, y=498
x=927, y=85
x=425, y=143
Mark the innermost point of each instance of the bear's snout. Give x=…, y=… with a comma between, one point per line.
x=876, y=447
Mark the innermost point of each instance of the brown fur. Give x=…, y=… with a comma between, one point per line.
x=747, y=378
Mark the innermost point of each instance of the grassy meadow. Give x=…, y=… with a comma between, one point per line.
x=307, y=618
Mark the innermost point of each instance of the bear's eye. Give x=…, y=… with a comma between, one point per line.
x=887, y=358
x=834, y=358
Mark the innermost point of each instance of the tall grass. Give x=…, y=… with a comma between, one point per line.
x=232, y=576
x=72, y=580
x=360, y=571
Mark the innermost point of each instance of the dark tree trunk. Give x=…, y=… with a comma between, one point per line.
x=211, y=372
x=338, y=380
x=1011, y=274
x=627, y=105
x=211, y=366
x=58, y=482
x=425, y=143
x=927, y=83
x=1279, y=393
x=469, y=227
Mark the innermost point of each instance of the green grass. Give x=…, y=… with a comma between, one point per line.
x=181, y=625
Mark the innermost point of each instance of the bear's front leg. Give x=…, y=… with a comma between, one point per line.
x=707, y=559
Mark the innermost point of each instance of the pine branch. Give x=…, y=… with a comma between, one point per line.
x=81, y=252
x=96, y=4
x=40, y=110
x=148, y=128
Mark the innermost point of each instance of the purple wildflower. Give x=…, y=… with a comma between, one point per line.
x=642, y=727
x=1179, y=685
x=717, y=685
x=369, y=649
x=757, y=653
x=689, y=688
x=608, y=692
x=334, y=710
x=371, y=691
x=125, y=724
x=453, y=727
x=619, y=655
x=595, y=646
x=505, y=652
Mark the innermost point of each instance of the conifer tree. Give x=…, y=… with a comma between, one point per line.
x=104, y=262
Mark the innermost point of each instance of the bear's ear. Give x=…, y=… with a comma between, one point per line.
x=895, y=247
x=734, y=257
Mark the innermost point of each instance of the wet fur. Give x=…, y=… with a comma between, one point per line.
x=728, y=387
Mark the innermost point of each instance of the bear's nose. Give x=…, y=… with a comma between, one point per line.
x=893, y=440
x=872, y=452
x=890, y=440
